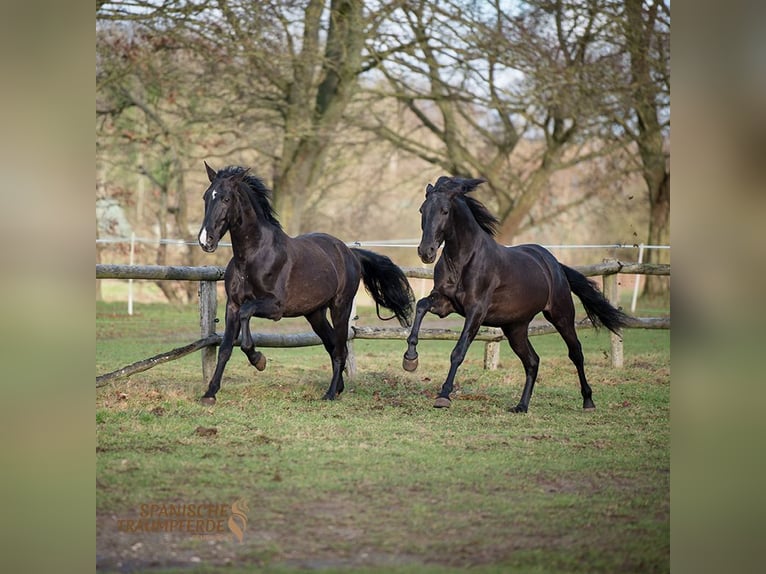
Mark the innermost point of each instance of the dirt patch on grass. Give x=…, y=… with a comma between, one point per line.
x=361, y=529
x=382, y=528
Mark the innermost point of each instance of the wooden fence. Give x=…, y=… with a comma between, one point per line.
x=208, y=276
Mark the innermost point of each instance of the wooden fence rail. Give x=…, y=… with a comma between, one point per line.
x=209, y=275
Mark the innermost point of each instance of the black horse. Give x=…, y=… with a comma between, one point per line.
x=273, y=275
x=498, y=286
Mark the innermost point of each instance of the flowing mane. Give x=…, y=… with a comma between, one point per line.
x=481, y=214
x=461, y=186
x=259, y=194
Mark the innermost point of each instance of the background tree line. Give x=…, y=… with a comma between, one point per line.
x=348, y=108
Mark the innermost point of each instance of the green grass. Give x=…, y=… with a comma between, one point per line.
x=379, y=481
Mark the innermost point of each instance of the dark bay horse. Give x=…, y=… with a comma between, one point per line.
x=272, y=275
x=498, y=286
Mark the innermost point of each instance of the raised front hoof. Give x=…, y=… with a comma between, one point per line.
x=207, y=401
x=410, y=365
x=260, y=362
x=442, y=403
x=518, y=409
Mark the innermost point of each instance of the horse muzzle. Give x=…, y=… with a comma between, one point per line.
x=427, y=254
x=207, y=242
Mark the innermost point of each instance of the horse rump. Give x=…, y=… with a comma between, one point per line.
x=387, y=285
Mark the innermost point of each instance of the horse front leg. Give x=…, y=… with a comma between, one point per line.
x=471, y=326
x=224, y=352
x=435, y=303
x=267, y=308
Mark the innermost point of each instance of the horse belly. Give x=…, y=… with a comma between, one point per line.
x=309, y=290
x=510, y=305
x=313, y=281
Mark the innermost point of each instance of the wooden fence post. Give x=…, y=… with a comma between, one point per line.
x=351, y=358
x=611, y=292
x=491, y=355
x=208, y=304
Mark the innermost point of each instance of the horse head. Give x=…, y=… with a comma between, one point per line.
x=436, y=212
x=220, y=198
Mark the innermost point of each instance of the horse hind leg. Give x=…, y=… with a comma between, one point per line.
x=518, y=339
x=565, y=325
x=325, y=331
x=341, y=315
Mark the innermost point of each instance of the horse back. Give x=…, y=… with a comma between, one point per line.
x=304, y=273
x=531, y=264
x=519, y=282
x=321, y=267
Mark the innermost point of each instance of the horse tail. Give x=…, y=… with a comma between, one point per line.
x=387, y=285
x=599, y=310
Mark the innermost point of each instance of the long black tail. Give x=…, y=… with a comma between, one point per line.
x=599, y=310
x=387, y=285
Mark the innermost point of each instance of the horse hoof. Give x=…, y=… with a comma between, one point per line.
x=410, y=365
x=207, y=401
x=588, y=405
x=442, y=403
x=260, y=364
x=589, y=408
x=517, y=409
x=329, y=397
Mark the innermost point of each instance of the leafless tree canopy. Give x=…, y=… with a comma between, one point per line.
x=338, y=103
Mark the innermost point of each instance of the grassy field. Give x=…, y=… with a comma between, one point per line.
x=379, y=481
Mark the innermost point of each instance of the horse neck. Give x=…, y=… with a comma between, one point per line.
x=251, y=232
x=465, y=234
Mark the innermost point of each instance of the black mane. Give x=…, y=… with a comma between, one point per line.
x=259, y=194
x=461, y=186
x=481, y=214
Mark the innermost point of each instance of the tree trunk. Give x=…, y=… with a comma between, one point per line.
x=305, y=148
x=295, y=183
x=162, y=249
x=659, y=234
x=513, y=218
x=639, y=26
x=191, y=252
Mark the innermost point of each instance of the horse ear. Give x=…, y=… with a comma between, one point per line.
x=211, y=173
x=429, y=189
x=241, y=175
x=471, y=184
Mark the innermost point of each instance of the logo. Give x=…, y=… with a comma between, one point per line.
x=238, y=519
x=192, y=518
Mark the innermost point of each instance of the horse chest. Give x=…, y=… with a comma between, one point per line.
x=454, y=290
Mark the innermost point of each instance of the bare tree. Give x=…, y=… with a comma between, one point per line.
x=139, y=85
x=277, y=76
x=645, y=26
x=505, y=95
x=514, y=92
